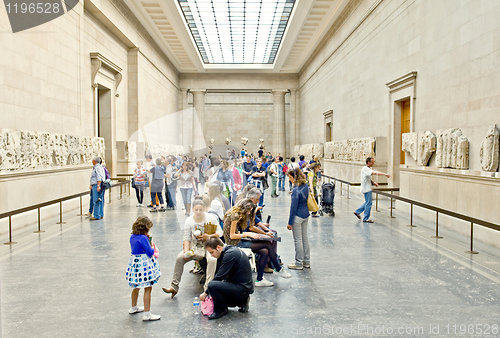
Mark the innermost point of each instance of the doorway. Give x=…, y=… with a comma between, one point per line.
x=104, y=122
x=405, y=125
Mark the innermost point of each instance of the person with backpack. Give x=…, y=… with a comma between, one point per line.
x=281, y=174
x=97, y=193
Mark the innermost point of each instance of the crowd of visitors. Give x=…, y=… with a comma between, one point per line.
x=223, y=198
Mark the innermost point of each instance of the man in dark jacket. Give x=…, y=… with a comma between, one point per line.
x=232, y=283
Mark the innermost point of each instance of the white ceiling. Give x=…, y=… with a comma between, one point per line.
x=309, y=23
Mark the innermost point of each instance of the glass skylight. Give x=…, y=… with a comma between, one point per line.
x=237, y=31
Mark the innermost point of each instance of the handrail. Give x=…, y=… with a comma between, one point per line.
x=342, y=182
x=349, y=184
x=38, y=206
x=384, y=189
x=439, y=210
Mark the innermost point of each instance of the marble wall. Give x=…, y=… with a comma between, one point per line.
x=28, y=149
x=377, y=42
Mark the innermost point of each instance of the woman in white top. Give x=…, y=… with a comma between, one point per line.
x=186, y=184
x=196, y=174
x=215, y=200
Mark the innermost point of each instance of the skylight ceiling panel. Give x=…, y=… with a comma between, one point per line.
x=238, y=31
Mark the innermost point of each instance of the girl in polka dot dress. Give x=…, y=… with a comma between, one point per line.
x=143, y=270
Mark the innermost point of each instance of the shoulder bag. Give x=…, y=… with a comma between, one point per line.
x=311, y=203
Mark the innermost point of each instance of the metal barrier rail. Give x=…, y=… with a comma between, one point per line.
x=438, y=210
x=349, y=184
x=354, y=184
x=129, y=177
x=384, y=189
x=9, y=214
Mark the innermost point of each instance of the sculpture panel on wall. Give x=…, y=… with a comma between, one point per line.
x=316, y=149
x=490, y=147
x=426, y=147
x=409, y=144
x=157, y=150
x=328, y=150
x=452, y=150
x=419, y=145
x=353, y=150
x=131, y=150
x=27, y=149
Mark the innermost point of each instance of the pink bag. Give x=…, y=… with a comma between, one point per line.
x=157, y=252
x=207, y=306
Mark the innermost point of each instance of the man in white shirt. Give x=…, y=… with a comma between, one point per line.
x=273, y=171
x=366, y=189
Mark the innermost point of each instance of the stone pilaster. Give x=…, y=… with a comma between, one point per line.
x=198, y=121
x=279, y=134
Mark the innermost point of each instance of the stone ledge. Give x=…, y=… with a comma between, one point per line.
x=490, y=177
x=358, y=163
x=37, y=172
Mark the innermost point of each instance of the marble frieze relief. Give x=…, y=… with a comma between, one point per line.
x=450, y=145
x=489, y=151
x=352, y=150
x=157, y=150
x=308, y=150
x=419, y=145
x=20, y=149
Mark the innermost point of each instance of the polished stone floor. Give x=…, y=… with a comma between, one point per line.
x=381, y=279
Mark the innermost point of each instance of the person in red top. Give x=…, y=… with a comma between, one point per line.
x=237, y=181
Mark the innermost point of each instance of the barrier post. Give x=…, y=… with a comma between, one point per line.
x=60, y=214
x=376, y=202
x=81, y=209
x=471, y=251
x=437, y=226
x=109, y=196
x=10, y=232
x=39, y=230
x=411, y=216
x=340, y=188
x=392, y=207
x=121, y=186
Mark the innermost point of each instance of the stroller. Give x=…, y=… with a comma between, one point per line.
x=327, y=197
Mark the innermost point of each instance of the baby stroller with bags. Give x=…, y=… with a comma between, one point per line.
x=327, y=199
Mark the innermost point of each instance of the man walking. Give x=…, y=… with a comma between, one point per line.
x=366, y=189
x=232, y=283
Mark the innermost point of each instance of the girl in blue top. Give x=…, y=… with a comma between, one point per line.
x=299, y=216
x=143, y=270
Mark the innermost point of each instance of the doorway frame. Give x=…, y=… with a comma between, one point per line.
x=400, y=89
